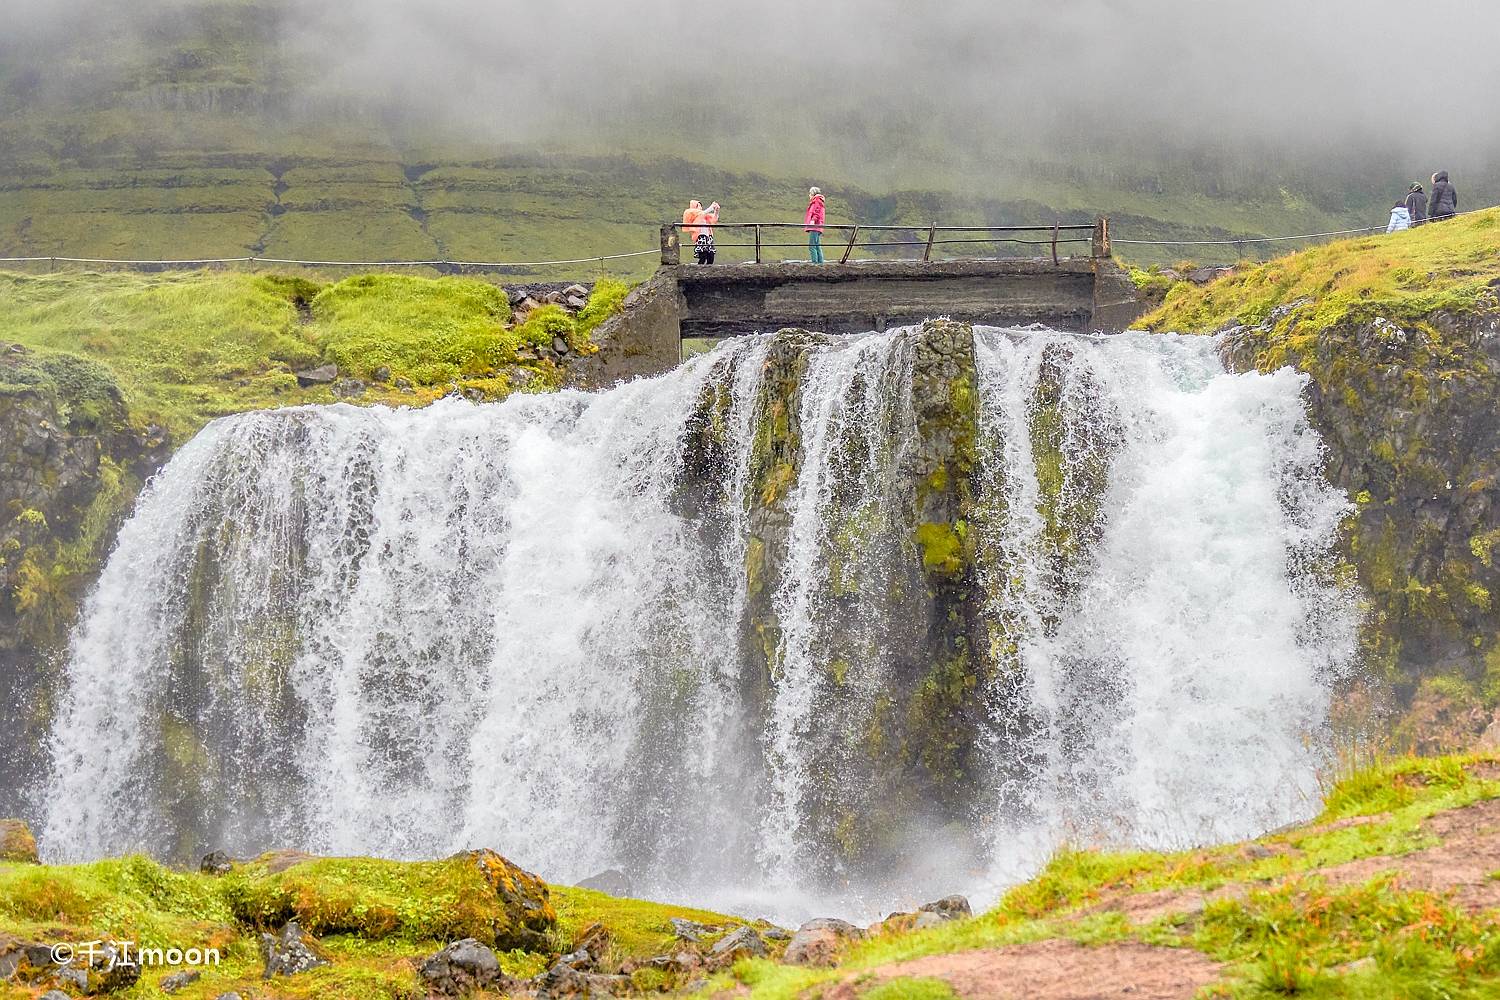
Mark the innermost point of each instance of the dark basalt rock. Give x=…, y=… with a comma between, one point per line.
x=289, y=953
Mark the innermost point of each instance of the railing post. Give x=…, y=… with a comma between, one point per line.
x=1101, y=237
x=854, y=235
x=931, y=237
x=757, y=243
x=1055, y=227
x=671, y=246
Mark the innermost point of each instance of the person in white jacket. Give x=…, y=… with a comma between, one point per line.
x=1400, y=218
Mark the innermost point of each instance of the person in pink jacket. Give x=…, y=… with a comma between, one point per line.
x=814, y=225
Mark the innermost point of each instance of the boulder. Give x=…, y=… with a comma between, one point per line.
x=575, y=291
x=462, y=967
x=690, y=930
x=900, y=923
x=949, y=908
x=563, y=980
x=560, y=345
x=349, y=388
x=515, y=296
x=290, y=953
x=17, y=845
x=18, y=956
x=322, y=375
x=529, y=917
x=612, y=881
x=593, y=941
x=1204, y=275
x=819, y=941
x=575, y=303
x=102, y=968
x=553, y=299
x=381, y=374
x=402, y=385
x=742, y=942
x=179, y=980
x=216, y=863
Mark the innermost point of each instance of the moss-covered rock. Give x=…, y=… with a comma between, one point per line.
x=477, y=895
x=17, y=845
x=1408, y=416
x=71, y=463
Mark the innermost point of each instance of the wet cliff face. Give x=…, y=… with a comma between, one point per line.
x=70, y=466
x=1409, y=415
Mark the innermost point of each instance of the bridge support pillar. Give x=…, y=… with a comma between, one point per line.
x=671, y=246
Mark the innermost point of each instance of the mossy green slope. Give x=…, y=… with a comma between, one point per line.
x=1275, y=911
x=1451, y=266
x=1264, y=909
x=184, y=348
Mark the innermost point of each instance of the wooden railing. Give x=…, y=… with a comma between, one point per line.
x=1050, y=237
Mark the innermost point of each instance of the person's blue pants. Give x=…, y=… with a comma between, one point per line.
x=815, y=247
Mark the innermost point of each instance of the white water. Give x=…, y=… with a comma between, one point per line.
x=520, y=626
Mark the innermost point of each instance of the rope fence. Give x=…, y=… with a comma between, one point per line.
x=1281, y=239
x=322, y=263
x=601, y=258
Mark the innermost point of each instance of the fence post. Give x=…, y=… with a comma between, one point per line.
x=850, y=248
x=1055, y=227
x=1101, y=237
x=757, y=243
x=931, y=236
x=671, y=247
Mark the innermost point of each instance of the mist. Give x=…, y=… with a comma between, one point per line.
x=1278, y=71
x=866, y=86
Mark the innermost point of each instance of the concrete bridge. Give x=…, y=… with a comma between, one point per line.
x=684, y=301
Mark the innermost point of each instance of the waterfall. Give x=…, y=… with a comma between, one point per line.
x=708, y=628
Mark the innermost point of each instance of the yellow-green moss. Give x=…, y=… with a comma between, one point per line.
x=942, y=547
x=1402, y=276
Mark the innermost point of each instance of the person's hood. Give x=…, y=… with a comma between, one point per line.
x=1440, y=177
x=1415, y=189
x=696, y=206
x=816, y=197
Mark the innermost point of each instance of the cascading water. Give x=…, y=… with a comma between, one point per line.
x=773, y=631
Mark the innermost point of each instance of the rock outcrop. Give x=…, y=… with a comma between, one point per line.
x=1407, y=411
x=17, y=845
x=71, y=462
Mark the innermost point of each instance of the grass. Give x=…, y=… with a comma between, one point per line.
x=375, y=919
x=1289, y=933
x=1408, y=276
x=183, y=348
x=1288, y=939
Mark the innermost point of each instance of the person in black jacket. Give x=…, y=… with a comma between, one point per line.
x=1416, y=205
x=1444, y=201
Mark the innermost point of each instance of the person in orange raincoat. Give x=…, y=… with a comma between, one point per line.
x=698, y=223
x=690, y=217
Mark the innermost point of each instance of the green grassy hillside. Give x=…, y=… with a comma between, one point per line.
x=192, y=130
x=186, y=347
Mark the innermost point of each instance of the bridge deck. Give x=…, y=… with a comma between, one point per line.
x=726, y=300
x=732, y=299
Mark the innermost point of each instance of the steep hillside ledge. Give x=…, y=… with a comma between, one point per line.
x=1401, y=337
